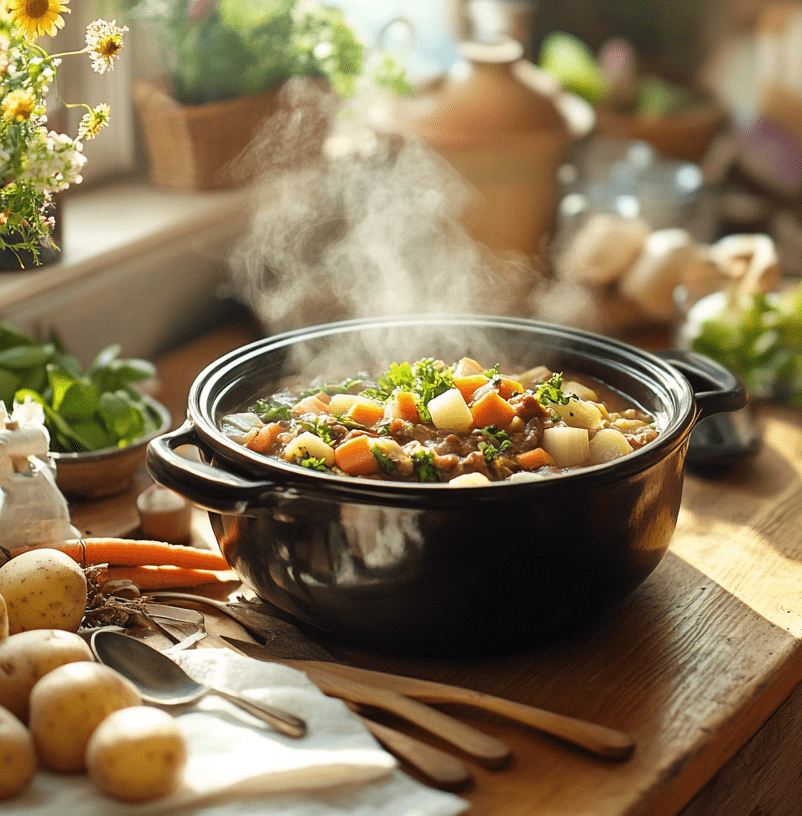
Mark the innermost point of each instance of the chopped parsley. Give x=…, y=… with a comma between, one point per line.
x=314, y=463
x=330, y=388
x=427, y=378
x=423, y=462
x=273, y=409
x=320, y=428
x=499, y=442
x=385, y=462
x=551, y=391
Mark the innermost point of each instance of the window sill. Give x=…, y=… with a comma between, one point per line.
x=138, y=267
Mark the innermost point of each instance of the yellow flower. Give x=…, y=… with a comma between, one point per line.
x=93, y=122
x=104, y=41
x=18, y=105
x=38, y=17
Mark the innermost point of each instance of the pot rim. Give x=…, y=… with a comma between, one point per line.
x=675, y=430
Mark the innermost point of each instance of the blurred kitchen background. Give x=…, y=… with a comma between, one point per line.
x=600, y=163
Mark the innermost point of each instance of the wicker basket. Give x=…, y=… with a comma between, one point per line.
x=191, y=147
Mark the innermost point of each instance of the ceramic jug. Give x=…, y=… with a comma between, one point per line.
x=506, y=136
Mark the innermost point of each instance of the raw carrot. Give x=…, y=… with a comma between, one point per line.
x=131, y=552
x=366, y=413
x=355, y=457
x=469, y=383
x=492, y=409
x=149, y=578
x=408, y=406
x=534, y=459
x=264, y=440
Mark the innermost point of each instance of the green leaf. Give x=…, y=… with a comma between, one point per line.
x=122, y=417
x=25, y=356
x=10, y=383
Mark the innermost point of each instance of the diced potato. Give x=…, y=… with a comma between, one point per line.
x=608, y=444
x=469, y=480
x=308, y=444
x=629, y=425
x=578, y=414
x=450, y=412
x=340, y=403
x=569, y=447
x=580, y=390
x=311, y=405
x=466, y=367
x=393, y=451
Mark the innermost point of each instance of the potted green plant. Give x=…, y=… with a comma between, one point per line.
x=225, y=62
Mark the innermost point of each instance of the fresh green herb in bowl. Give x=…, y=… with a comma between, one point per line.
x=85, y=410
x=99, y=422
x=759, y=339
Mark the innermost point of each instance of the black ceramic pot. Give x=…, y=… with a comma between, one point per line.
x=429, y=568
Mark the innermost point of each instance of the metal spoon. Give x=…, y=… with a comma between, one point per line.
x=162, y=681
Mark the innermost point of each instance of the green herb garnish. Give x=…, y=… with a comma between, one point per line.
x=551, y=391
x=423, y=462
x=500, y=441
x=319, y=427
x=387, y=464
x=274, y=409
x=314, y=463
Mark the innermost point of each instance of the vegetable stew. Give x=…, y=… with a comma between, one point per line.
x=460, y=424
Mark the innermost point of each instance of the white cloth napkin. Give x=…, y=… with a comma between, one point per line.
x=238, y=764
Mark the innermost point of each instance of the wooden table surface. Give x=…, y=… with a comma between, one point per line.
x=700, y=664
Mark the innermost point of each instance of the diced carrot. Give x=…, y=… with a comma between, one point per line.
x=310, y=405
x=354, y=456
x=366, y=413
x=408, y=406
x=492, y=409
x=397, y=425
x=534, y=459
x=469, y=383
x=264, y=440
x=507, y=387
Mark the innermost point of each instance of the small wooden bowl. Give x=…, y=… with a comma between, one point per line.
x=106, y=472
x=685, y=135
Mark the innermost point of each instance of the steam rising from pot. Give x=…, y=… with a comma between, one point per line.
x=369, y=226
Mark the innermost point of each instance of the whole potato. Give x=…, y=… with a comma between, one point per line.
x=3, y=619
x=28, y=656
x=136, y=754
x=43, y=589
x=68, y=703
x=17, y=755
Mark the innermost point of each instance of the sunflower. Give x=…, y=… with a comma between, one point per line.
x=37, y=17
x=18, y=105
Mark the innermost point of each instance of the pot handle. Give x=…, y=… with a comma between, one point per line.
x=716, y=389
x=202, y=484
